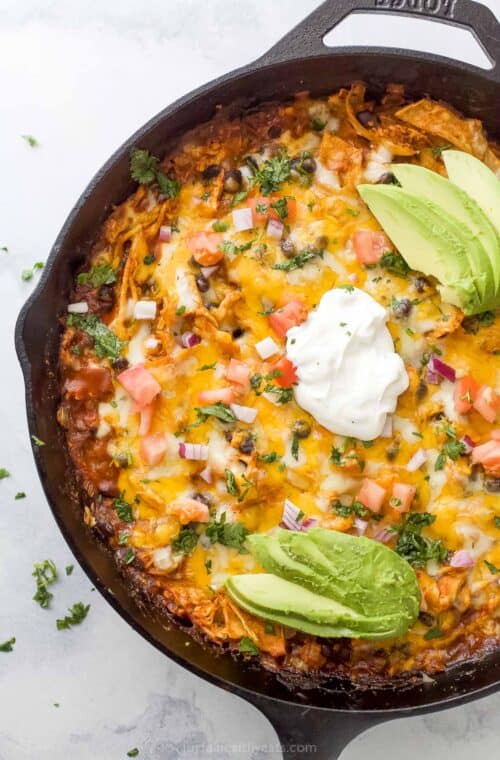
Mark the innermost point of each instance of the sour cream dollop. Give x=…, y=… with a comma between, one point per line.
x=349, y=376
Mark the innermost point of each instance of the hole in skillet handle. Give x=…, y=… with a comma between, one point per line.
x=307, y=38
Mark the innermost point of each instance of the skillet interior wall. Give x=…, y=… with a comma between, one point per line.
x=460, y=87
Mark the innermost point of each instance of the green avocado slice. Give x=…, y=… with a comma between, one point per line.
x=433, y=187
x=273, y=598
x=430, y=240
x=477, y=180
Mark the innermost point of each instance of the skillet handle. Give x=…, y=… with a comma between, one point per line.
x=310, y=731
x=306, y=39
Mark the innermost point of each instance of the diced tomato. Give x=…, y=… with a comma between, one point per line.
x=288, y=375
x=140, y=384
x=226, y=395
x=370, y=246
x=262, y=210
x=402, y=496
x=464, y=394
x=487, y=403
x=90, y=382
x=371, y=495
x=238, y=372
x=294, y=313
x=205, y=247
x=152, y=448
x=189, y=510
x=487, y=454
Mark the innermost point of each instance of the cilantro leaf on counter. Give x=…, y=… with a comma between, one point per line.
x=8, y=646
x=100, y=274
x=133, y=752
x=145, y=169
x=32, y=141
x=45, y=574
x=4, y=473
x=20, y=495
x=27, y=274
x=69, y=569
x=77, y=614
x=106, y=343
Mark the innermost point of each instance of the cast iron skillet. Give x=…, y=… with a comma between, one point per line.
x=325, y=719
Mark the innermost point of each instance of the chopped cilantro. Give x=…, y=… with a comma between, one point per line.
x=220, y=226
x=150, y=258
x=204, y=367
x=133, y=752
x=106, y=343
x=393, y=262
x=269, y=628
x=283, y=395
x=281, y=208
x=434, y=633
x=412, y=546
x=145, y=169
x=37, y=441
x=227, y=246
x=238, y=197
x=123, y=508
x=491, y=567
x=208, y=566
x=4, y=473
x=20, y=495
x=180, y=310
x=437, y=150
x=129, y=556
x=45, y=574
x=218, y=410
x=272, y=174
x=247, y=646
x=231, y=484
x=69, y=569
x=300, y=260
x=186, y=541
x=271, y=457
x=8, y=646
x=317, y=124
x=101, y=274
x=227, y=534
x=27, y=274
x=77, y=614
x=295, y=445
x=440, y=461
x=352, y=211
x=497, y=521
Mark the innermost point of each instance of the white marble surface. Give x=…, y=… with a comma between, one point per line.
x=80, y=76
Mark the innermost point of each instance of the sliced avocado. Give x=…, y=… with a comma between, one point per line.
x=281, y=601
x=429, y=239
x=477, y=180
x=457, y=203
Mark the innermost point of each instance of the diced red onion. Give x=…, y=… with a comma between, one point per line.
x=190, y=339
x=387, y=429
x=352, y=277
x=462, y=558
x=206, y=475
x=383, y=535
x=309, y=523
x=442, y=369
x=266, y=348
x=81, y=307
x=432, y=378
x=275, y=229
x=196, y=451
x=208, y=271
x=145, y=310
x=468, y=443
x=243, y=413
x=165, y=234
x=418, y=459
x=242, y=219
x=289, y=518
x=360, y=525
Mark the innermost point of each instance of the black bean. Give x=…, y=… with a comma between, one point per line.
x=106, y=298
x=492, y=485
x=302, y=429
x=367, y=119
x=426, y=618
x=387, y=178
x=120, y=364
x=288, y=248
x=274, y=131
x=320, y=243
x=237, y=333
x=308, y=165
x=122, y=460
x=211, y=172
x=420, y=284
x=202, y=283
x=233, y=180
x=392, y=451
x=247, y=445
x=203, y=498
x=402, y=308
x=421, y=391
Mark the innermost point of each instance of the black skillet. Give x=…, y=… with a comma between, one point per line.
x=327, y=719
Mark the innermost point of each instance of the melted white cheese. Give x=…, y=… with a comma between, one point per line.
x=349, y=375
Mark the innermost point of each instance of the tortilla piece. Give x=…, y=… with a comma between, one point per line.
x=466, y=134
x=342, y=157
